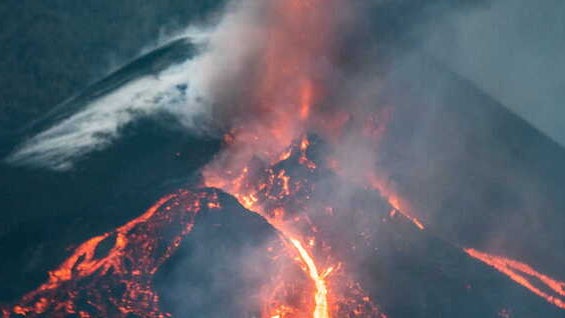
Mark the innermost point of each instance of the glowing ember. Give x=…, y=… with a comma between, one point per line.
x=526, y=276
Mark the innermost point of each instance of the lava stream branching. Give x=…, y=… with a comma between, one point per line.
x=321, y=296
x=542, y=285
x=270, y=191
x=550, y=289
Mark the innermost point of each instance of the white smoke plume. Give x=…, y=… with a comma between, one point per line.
x=182, y=89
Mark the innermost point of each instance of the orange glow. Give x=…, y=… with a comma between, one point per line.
x=400, y=205
x=249, y=198
x=268, y=192
x=526, y=276
x=303, y=160
x=306, y=100
x=286, y=89
x=321, y=308
x=284, y=103
x=286, y=92
x=138, y=250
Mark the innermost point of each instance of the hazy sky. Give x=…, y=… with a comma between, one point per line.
x=515, y=51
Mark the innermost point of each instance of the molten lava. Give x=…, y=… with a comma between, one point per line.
x=286, y=88
x=86, y=283
x=320, y=298
x=272, y=193
x=396, y=201
x=552, y=290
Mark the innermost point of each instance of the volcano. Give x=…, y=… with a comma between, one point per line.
x=408, y=272
x=435, y=201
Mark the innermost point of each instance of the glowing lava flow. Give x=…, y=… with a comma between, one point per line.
x=286, y=87
x=284, y=93
x=281, y=107
x=115, y=281
x=321, y=294
x=524, y=275
x=250, y=197
x=321, y=308
x=400, y=205
x=89, y=282
x=273, y=194
x=518, y=272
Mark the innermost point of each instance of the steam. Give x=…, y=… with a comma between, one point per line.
x=184, y=90
x=100, y=122
x=219, y=88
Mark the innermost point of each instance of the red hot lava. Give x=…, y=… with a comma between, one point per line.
x=550, y=289
x=86, y=283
